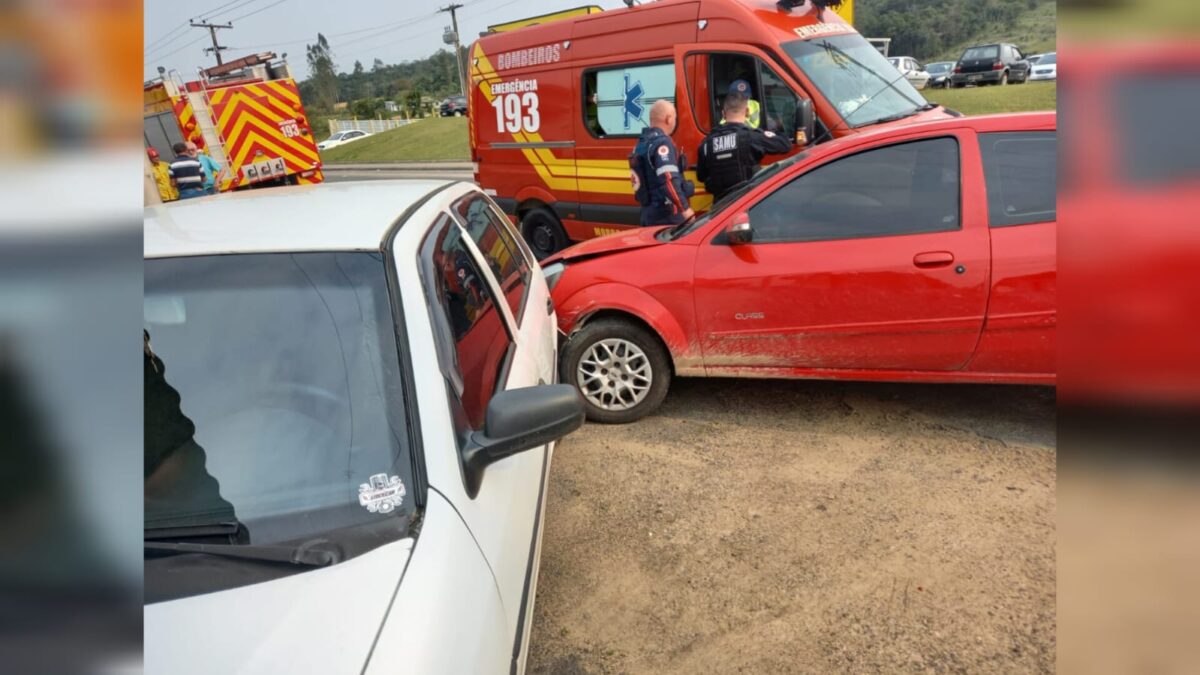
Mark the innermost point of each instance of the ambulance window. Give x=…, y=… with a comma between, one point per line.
x=727, y=69
x=499, y=249
x=779, y=104
x=617, y=100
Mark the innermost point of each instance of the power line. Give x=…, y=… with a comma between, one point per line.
x=218, y=8
x=375, y=31
x=260, y=9
x=176, y=51
x=163, y=41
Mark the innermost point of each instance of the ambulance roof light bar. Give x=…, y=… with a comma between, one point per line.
x=821, y=5
x=542, y=18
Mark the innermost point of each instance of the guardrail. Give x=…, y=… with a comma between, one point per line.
x=369, y=126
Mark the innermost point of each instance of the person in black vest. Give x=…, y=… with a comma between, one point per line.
x=730, y=154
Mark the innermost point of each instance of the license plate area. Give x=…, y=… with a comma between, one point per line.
x=268, y=169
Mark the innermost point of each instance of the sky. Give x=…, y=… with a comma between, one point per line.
x=361, y=30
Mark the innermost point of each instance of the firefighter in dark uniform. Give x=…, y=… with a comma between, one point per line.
x=730, y=154
x=656, y=169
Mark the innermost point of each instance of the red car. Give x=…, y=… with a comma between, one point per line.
x=923, y=253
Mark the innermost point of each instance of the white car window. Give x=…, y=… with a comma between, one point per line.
x=473, y=335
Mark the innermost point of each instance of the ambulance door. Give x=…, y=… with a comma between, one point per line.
x=709, y=69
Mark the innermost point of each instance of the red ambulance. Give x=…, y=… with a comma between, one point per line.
x=557, y=106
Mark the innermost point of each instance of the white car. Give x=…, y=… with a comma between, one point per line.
x=1045, y=68
x=912, y=70
x=341, y=138
x=349, y=421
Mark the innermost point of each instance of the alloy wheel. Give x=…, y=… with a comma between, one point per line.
x=614, y=374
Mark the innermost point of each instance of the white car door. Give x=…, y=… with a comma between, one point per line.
x=499, y=334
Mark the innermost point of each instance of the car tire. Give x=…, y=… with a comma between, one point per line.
x=1003, y=79
x=542, y=231
x=458, y=113
x=617, y=395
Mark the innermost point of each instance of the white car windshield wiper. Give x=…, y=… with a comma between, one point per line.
x=304, y=555
x=191, y=531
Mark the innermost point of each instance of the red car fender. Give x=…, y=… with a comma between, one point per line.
x=612, y=296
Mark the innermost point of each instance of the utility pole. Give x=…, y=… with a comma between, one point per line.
x=450, y=38
x=216, y=49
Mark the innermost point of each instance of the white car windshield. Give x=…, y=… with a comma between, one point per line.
x=1047, y=60
x=855, y=78
x=272, y=393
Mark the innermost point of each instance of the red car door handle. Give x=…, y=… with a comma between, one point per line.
x=933, y=259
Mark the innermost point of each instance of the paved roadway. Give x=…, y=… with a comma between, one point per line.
x=336, y=173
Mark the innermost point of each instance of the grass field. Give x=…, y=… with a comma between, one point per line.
x=433, y=139
x=996, y=99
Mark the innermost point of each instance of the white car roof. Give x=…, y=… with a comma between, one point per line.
x=325, y=217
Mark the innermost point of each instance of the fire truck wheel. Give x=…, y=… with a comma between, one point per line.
x=621, y=369
x=543, y=232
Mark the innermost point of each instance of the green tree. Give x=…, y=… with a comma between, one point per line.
x=412, y=101
x=323, y=73
x=367, y=108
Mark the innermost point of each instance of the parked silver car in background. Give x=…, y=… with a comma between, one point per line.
x=912, y=69
x=1045, y=68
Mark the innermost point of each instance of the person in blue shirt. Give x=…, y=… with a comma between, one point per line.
x=656, y=169
x=213, y=172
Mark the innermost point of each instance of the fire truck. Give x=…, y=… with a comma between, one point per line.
x=246, y=114
x=557, y=102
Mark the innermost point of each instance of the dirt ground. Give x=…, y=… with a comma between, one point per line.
x=810, y=527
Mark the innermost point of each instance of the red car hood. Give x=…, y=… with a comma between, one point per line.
x=641, y=237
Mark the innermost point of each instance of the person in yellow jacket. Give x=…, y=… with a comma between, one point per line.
x=754, y=110
x=162, y=177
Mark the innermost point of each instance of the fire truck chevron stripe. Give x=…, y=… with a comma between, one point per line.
x=254, y=122
x=254, y=140
x=257, y=111
x=246, y=114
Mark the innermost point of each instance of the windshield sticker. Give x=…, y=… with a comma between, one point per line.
x=381, y=493
x=822, y=29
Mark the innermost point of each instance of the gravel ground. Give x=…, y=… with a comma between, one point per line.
x=767, y=526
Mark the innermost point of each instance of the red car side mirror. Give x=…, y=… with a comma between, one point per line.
x=739, y=230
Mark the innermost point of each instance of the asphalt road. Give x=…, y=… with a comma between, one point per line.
x=338, y=173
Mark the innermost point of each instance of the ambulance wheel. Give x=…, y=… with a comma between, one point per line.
x=543, y=232
x=621, y=369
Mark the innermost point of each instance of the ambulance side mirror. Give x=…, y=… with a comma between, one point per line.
x=739, y=231
x=806, y=122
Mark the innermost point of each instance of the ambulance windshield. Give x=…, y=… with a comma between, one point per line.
x=855, y=78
